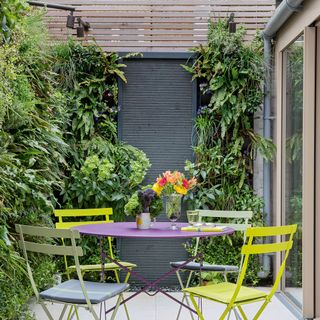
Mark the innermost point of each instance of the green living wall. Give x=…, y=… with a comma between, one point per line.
x=230, y=73
x=58, y=141
x=59, y=146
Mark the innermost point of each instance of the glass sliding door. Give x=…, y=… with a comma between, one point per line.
x=293, y=65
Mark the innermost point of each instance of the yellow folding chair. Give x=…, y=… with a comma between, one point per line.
x=237, y=220
x=236, y=295
x=71, y=293
x=100, y=215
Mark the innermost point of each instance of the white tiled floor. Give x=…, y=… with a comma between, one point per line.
x=160, y=307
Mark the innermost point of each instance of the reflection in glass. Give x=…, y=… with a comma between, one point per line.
x=293, y=62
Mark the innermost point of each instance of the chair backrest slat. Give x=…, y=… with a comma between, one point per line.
x=225, y=214
x=51, y=249
x=271, y=231
x=68, y=225
x=107, y=212
x=47, y=232
x=236, y=226
x=266, y=248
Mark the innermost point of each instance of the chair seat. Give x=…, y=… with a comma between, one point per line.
x=195, y=266
x=97, y=267
x=70, y=291
x=223, y=292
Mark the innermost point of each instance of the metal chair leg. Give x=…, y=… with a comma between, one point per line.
x=185, y=296
x=242, y=313
x=44, y=307
x=116, y=309
x=236, y=314
x=225, y=277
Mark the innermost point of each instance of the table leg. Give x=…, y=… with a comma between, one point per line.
x=154, y=284
x=102, y=259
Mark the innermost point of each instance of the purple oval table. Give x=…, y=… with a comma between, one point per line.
x=158, y=230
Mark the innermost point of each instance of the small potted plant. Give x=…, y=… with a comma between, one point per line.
x=144, y=205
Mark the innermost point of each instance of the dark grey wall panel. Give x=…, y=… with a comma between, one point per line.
x=157, y=113
x=157, y=116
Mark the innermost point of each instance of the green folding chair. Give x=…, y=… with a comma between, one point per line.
x=238, y=220
x=80, y=217
x=71, y=293
x=234, y=296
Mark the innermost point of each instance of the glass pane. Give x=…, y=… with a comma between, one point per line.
x=293, y=175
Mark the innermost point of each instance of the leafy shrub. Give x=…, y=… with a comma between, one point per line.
x=102, y=171
x=11, y=13
x=32, y=154
x=106, y=179
x=230, y=74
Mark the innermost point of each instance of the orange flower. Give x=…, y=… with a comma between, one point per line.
x=177, y=176
x=180, y=189
x=192, y=182
x=169, y=176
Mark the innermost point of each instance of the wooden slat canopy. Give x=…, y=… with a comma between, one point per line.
x=156, y=25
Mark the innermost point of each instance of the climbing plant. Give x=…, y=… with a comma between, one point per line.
x=230, y=74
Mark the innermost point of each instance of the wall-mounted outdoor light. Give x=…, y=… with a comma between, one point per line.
x=232, y=25
x=83, y=26
x=71, y=19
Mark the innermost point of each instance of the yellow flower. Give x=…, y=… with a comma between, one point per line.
x=157, y=189
x=180, y=189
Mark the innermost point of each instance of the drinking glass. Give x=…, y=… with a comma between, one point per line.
x=193, y=217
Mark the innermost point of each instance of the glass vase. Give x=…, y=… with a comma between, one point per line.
x=173, y=209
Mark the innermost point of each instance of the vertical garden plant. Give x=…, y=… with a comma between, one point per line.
x=230, y=74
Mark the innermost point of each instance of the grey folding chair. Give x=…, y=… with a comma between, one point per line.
x=233, y=218
x=71, y=293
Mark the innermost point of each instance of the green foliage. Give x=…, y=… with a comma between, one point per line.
x=32, y=149
x=88, y=75
x=102, y=171
x=32, y=154
x=106, y=178
x=58, y=142
x=11, y=12
x=230, y=74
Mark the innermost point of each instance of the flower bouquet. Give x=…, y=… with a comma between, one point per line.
x=173, y=186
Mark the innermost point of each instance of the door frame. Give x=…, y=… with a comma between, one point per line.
x=308, y=162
